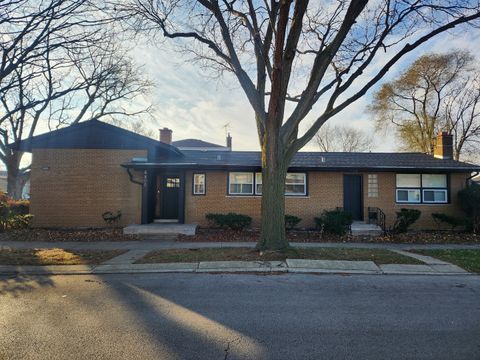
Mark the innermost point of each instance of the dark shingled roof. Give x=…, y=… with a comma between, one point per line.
x=317, y=161
x=194, y=143
x=93, y=134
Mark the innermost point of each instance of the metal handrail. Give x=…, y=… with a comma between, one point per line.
x=380, y=218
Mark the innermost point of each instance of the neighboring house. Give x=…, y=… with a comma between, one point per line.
x=86, y=169
x=4, y=183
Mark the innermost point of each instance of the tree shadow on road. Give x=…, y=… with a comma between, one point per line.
x=17, y=284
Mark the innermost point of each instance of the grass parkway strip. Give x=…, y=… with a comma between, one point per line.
x=378, y=256
x=468, y=259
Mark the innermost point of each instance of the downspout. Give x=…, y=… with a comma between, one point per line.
x=468, y=180
x=130, y=175
x=144, y=205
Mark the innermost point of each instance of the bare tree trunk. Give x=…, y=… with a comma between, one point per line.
x=274, y=172
x=15, y=178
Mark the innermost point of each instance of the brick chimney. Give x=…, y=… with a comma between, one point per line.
x=166, y=136
x=443, y=148
x=229, y=141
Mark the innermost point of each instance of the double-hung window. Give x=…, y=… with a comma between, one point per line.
x=434, y=188
x=296, y=184
x=249, y=183
x=198, y=184
x=422, y=188
x=240, y=183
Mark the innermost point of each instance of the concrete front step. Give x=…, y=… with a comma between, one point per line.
x=162, y=231
x=363, y=229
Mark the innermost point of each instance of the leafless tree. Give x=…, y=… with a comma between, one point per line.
x=83, y=74
x=340, y=138
x=320, y=56
x=462, y=118
x=438, y=92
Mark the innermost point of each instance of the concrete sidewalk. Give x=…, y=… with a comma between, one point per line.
x=290, y=265
x=124, y=263
x=159, y=245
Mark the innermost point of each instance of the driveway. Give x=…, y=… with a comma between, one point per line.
x=203, y=316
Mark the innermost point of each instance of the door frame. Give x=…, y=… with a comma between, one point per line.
x=362, y=216
x=150, y=194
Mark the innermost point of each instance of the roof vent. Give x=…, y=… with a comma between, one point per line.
x=219, y=157
x=322, y=159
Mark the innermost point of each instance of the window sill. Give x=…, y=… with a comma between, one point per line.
x=259, y=196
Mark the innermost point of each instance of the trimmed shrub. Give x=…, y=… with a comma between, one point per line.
x=405, y=219
x=291, y=221
x=231, y=220
x=470, y=202
x=334, y=222
x=453, y=221
x=13, y=213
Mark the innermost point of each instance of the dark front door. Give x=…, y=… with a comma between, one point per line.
x=169, y=197
x=352, y=195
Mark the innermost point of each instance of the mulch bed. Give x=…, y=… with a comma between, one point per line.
x=91, y=235
x=221, y=235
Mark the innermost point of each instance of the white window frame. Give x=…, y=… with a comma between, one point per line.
x=421, y=189
x=230, y=183
x=304, y=185
x=408, y=202
x=203, y=176
x=258, y=176
x=445, y=191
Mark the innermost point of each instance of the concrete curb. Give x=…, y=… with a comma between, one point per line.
x=290, y=266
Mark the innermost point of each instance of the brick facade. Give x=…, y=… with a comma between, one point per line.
x=73, y=187
x=325, y=192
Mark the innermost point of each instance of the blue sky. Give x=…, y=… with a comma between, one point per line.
x=194, y=104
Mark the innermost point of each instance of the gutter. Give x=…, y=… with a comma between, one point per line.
x=468, y=180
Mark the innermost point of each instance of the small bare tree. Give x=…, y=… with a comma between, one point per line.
x=340, y=138
x=293, y=51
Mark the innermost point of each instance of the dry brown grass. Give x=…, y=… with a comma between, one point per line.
x=56, y=256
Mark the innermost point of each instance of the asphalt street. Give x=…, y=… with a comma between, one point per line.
x=204, y=316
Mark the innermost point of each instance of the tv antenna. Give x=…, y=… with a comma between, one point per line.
x=226, y=127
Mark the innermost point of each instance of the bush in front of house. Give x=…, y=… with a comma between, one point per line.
x=14, y=214
x=291, y=221
x=405, y=219
x=112, y=218
x=450, y=220
x=231, y=220
x=470, y=202
x=334, y=222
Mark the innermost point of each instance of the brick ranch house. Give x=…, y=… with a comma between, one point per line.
x=81, y=171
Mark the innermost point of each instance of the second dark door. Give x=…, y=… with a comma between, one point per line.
x=352, y=196
x=169, y=197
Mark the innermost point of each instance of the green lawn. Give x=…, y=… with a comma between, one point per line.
x=467, y=259
x=248, y=254
x=56, y=256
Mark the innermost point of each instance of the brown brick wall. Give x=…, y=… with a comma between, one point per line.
x=325, y=191
x=81, y=184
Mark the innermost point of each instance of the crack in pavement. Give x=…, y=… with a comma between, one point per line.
x=227, y=349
